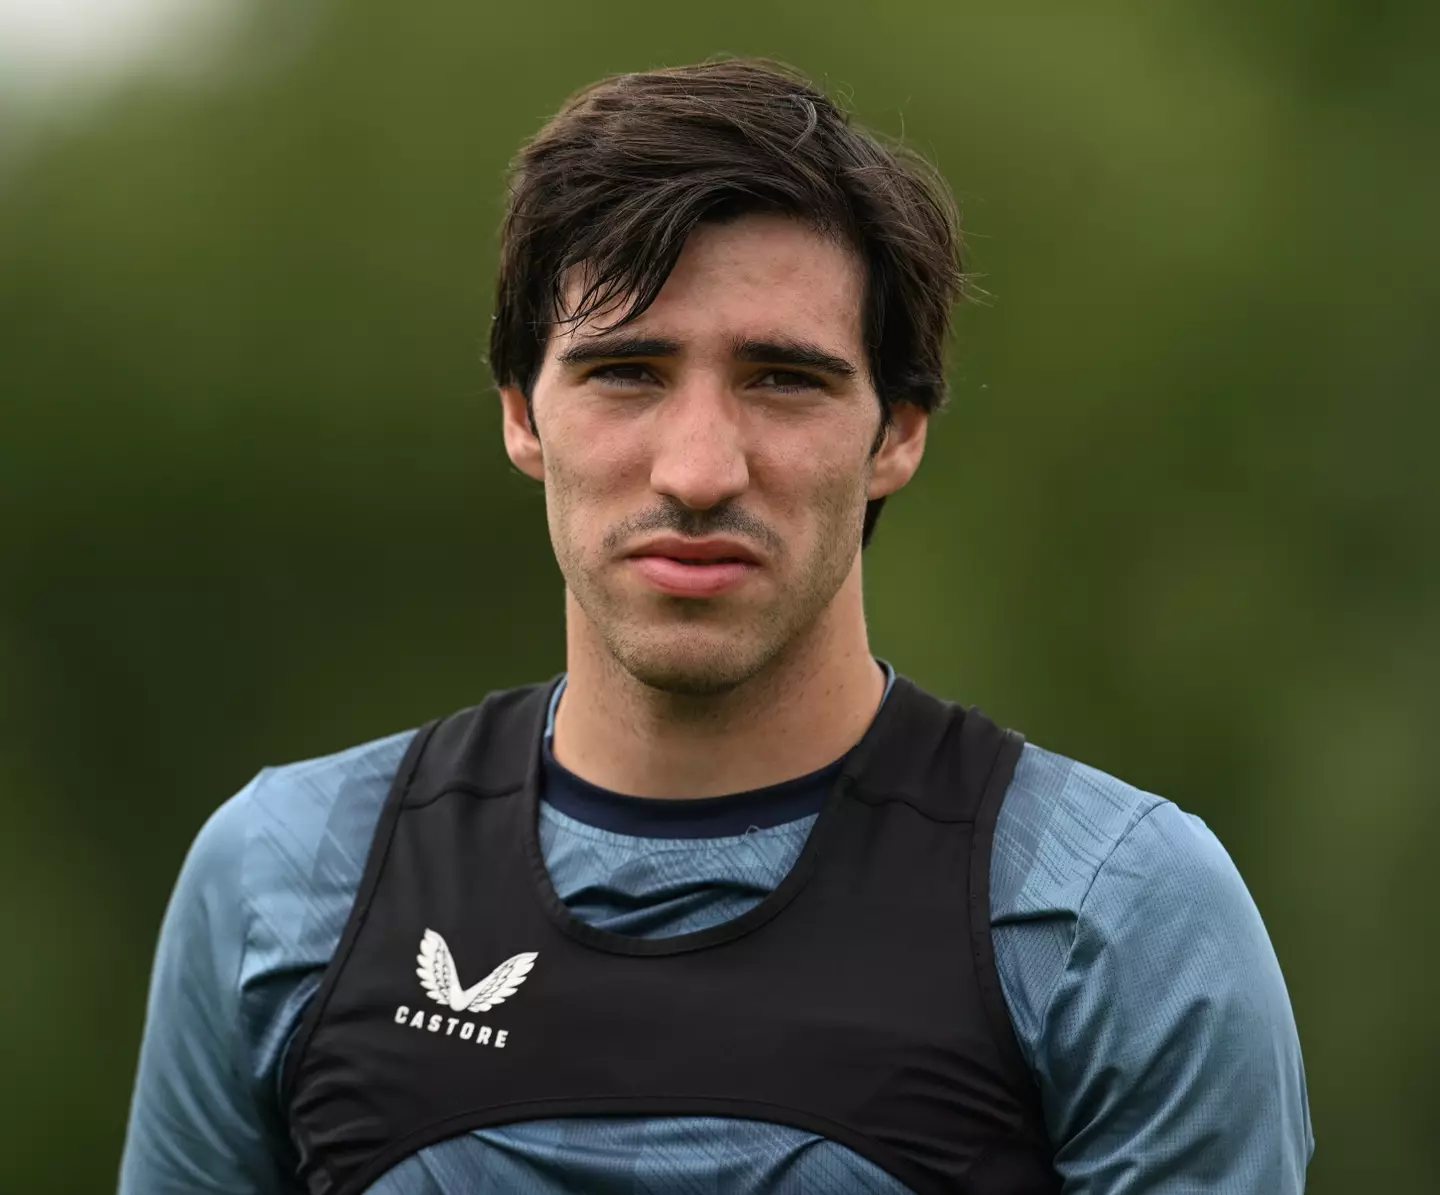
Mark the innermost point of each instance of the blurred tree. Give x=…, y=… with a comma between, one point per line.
x=1181, y=520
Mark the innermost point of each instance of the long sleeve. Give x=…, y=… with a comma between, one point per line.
x=1168, y=1060
x=1144, y=992
x=196, y=1120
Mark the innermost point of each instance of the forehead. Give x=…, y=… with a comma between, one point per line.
x=755, y=276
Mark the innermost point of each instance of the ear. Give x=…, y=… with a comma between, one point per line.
x=898, y=456
x=522, y=445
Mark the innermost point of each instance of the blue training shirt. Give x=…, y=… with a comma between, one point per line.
x=1141, y=983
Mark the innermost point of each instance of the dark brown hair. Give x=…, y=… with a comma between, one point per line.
x=619, y=178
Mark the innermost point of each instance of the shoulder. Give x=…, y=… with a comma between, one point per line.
x=1093, y=876
x=252, y=922
x=276, y=869
x=280, y=824
x=1059, y=823
x=1074, y=843
x=1141, y=981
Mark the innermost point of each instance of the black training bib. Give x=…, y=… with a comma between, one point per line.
x=859, y=1000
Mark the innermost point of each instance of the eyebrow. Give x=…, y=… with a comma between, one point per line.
x=618, y=348
x=801, y=354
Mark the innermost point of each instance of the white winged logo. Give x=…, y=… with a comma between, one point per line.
x=442, y=984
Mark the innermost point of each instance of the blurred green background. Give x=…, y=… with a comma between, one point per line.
x=1181, y=520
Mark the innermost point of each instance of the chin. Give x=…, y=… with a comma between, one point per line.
x=689, y=665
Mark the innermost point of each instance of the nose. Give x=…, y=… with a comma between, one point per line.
x=700, y=458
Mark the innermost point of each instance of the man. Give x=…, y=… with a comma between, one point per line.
x=730, y=906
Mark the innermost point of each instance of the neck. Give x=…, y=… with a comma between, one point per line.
x=805, y=709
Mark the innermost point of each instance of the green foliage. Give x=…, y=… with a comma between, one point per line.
x=1181, y=519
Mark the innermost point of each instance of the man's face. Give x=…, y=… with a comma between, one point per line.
x=706, y=466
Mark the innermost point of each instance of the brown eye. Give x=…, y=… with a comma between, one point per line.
x=789, y=380
x=623, y=371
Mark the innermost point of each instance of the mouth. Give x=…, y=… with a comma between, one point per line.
x=694, y=568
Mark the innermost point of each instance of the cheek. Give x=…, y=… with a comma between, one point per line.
x=589, y=471
x=823, y=475
x=591, y=455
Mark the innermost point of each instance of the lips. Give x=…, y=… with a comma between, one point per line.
x=694, y=568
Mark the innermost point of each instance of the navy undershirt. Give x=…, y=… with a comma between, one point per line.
x=692, y=817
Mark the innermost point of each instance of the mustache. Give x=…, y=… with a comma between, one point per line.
x=671, y=516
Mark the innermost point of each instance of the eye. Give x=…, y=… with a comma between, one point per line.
x=621, y=373
x=789, y=381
